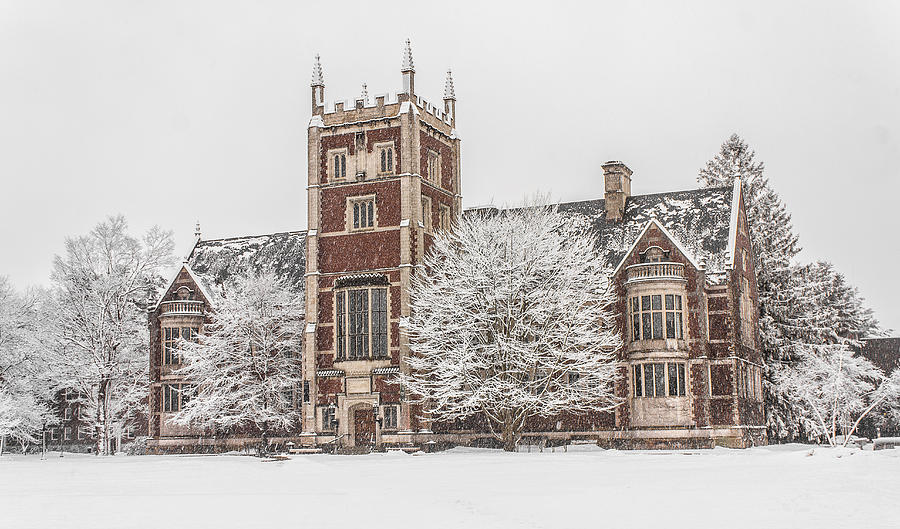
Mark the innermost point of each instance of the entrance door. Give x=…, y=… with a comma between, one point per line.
x=364, y=427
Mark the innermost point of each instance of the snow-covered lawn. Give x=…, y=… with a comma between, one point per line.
x=462, y=488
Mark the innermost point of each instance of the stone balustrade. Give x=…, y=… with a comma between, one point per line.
x=655, y=271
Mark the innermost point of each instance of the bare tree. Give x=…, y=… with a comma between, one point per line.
x=510, y=319
x=100, y=340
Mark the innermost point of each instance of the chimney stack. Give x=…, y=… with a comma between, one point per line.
x=617, y=176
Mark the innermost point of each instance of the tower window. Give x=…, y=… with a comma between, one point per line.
x=362, y=323
x=339, y=164
x=445, y=217
x=386, y=155
x=433, y=167
x=361, y=212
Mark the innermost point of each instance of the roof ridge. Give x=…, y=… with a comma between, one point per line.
x=292, y=232
x=716, y=188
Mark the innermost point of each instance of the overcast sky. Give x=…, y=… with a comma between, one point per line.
x=170, y=112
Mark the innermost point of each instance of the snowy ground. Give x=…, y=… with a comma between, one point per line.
x=467, y=488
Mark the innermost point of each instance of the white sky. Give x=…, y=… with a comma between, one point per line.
x=173, y=111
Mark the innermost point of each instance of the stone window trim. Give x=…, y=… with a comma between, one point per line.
x=362, y=213
x=362, y=323
x=338, y=161
x=656, y=316
x=654, y=254
x=385, y=157
x=659, y=379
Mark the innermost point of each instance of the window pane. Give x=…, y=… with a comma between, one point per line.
x=636, y=327
x=656, y=302
x=383, y=160
x=638, y=381
x=657, y=325
x=356, y=214
x=341, y=326
x=379, y=322
x=670, y=325
x=390, y=163
x=670, y=302
x=645, y=302
x=681, y=379
x=673, y=379
x=371, y=213
x=337, y=166
x=678, y=332
x=645, y=321
x=648, y=380
x=634, y=304
x=343, y=166
x=659, y=377
x=677, y=302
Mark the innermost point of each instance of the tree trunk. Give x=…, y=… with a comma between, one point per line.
x=264, y=441
x=510, y=434
x=2, y=444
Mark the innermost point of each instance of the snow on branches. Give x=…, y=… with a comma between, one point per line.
x=246, y=361
x=98, y=329
x=510, y=319
x=836, y=390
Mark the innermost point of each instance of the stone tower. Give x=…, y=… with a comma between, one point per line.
x=383, y=179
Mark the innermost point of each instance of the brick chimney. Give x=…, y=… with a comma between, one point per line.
x=618, y=188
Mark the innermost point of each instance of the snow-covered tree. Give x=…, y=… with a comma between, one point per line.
x=246, y=360
x=510, y=319
x=24, y=392
x=774, y=246
x=836, y=389
x=99, y=338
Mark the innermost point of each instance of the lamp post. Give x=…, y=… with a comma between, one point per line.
x=378, y=423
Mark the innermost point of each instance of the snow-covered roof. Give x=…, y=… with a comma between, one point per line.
x=214, y=261
x=698, y=220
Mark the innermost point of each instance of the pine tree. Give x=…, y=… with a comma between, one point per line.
x=774, y=245
x=245, y=363
x=510, y=320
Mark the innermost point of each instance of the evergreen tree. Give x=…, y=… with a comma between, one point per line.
x=774, y=246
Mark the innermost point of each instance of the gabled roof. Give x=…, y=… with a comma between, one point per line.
x=697, y=220
x=214, y=262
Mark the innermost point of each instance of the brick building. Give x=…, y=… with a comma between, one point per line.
x=383, y=178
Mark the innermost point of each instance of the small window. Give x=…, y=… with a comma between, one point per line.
x=433, y=167
x=328, y=420
x=426, y=213
x=445, y=217
x=386, y=158
x=362, y=213
x=339, y=165
x=54, y=434
x=67, y=415
x=67, y=432
x=389, y=417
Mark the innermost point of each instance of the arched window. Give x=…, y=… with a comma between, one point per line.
x=384, y=161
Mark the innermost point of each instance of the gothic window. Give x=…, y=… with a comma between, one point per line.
x=386, y=154
x=362, y=213
x=362, y=323
x=339, y=165
x=657, y=316
x=659, y=379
